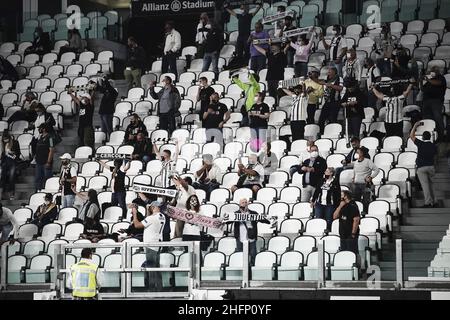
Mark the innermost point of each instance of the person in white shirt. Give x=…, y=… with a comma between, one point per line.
x=207, y=176
x=153, y=226
x=167, y=165
x=364, y=171
x=185, y=190
x=191, y=232
x=299, y=111
x=338, y=48
x=7, y=223
x=171, y=47
x=202, y=31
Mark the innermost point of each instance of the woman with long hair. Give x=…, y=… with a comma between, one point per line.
x=191, y=232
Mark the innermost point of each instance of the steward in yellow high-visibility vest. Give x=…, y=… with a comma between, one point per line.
x=83, y=277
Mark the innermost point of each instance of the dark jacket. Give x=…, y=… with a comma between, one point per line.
x=350, y=157
x=252, y=232
x=136, y=58
x=320, y=165
x=214, y=40
x=174, y=101
x=48, y=217
x=134, y=130
x=143, y=148
x=333, y=195
x=42, y=44
x=109, y=98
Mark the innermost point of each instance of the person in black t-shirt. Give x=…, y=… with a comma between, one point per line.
x=352, y=102
x=204, y=95
x=259, y=117
x=349, y=217
x=433, y=99
x=118, y=184
x=93, y=230
x=213, y=45
x=217, y=113
x=276, y=62
x=333, y=87
x=45, y=150
x=107, y=107
x=244, y=29
x=86, y=113
x=67, y=178
x=426, y=153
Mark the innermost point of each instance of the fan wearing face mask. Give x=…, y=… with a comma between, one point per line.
x=43, y=117
x=259, y=118
x=191, y=232
x=67, y=179
x=312, y=170
x=135, y=127
x=10, y=154
x=354, y=110
x=86, y=113
x=352, y=67
x=364, y=171
x=46, y=213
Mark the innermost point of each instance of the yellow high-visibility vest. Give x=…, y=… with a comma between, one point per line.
x=84, y=282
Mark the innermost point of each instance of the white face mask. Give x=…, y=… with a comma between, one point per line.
x=357, y=156
x=349, y=55
x=333, y=32
x=314, y=154
x=47, y=202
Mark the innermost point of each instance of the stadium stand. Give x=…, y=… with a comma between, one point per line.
x=286, y=251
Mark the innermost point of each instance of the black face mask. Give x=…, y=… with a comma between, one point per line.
x=162, y=159
x=327, y=176
x=242, y=208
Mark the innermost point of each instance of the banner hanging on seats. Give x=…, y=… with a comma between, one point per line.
x=170, y=7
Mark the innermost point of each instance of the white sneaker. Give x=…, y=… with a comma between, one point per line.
x=33, y=161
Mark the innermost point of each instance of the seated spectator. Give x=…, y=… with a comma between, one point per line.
x=191, y=232
x=75, y=43
x=46, y=213
x=326, y=197
x=93, y=231
x=90, y=210
x=136, y=126
x=8, y=223
x=28, y=111
x=41, y=43
x=349, y=218
x=143, y=149
x=131, y=231
x=251, y=176
x=207, y=176
x=7, y=70
x=350, y=158
x=312, y=170
x=364, y=170
x=9, y=157
x=268, y=160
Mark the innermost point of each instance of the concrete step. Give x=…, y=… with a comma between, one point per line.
x=425, y=211
x=410, y=255
x=422, y=235
x=427, y=220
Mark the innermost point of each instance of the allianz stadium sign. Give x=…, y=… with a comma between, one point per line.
x=153, y=8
